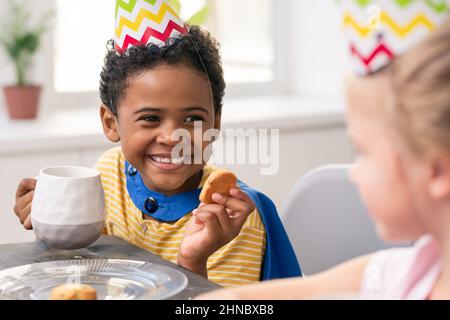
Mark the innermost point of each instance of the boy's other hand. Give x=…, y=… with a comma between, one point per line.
x=24, y=198
x=212, y=226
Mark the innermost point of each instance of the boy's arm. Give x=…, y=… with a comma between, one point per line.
x=345, y=278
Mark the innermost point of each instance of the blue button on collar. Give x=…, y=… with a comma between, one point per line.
x=151, y=205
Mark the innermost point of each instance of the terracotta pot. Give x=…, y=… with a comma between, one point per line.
x=22, y=102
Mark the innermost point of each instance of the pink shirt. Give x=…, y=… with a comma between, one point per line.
x=405, y=273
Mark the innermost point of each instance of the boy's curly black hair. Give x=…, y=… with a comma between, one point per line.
x=197, y=50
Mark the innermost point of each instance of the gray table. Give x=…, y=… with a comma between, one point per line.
x=107, y=247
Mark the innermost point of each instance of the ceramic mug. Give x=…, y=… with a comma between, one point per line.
x=68, y=207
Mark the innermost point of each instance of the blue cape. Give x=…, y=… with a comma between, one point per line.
x=279, y=257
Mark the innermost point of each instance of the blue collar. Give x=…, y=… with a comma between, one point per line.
x=157, y=205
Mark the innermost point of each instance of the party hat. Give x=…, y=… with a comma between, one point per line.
x=140, y=22
x=378, y=31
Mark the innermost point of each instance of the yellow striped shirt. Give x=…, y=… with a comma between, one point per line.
x=237, y=263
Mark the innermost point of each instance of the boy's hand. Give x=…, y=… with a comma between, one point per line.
x=211, y=227
x=24, y=198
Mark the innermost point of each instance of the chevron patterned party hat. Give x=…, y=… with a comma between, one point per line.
x=380, y=30
x=140, y=22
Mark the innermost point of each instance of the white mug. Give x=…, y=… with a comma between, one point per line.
x=68, y=207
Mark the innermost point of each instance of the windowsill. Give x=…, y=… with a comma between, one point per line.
x=80, y=128
x=286, y=113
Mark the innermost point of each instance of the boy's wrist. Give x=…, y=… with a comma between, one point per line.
x=194, y=265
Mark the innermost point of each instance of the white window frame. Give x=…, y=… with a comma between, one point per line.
x=281, y=84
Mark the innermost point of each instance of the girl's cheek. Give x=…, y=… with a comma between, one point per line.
x=361, y=173
x=355, y=173
x=357, y=168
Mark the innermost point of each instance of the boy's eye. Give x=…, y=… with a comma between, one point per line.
x=191, y=119
x=150, y=118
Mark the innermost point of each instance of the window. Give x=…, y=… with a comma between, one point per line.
x=244, y=28
x=80, y=43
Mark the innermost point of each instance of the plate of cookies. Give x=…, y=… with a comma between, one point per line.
x=91, y=279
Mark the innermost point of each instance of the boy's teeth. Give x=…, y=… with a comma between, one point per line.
x=165, y=160
x=168, y=160
x=177, y=161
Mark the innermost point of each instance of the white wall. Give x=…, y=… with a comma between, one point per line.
x=300, y=151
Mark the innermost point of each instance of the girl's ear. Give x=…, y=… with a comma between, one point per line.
x=439, y=186
x=109, y=123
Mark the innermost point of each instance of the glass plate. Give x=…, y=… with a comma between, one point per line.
x=113, y=279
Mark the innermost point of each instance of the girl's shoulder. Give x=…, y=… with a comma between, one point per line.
x=385, y=268
x=402, y=273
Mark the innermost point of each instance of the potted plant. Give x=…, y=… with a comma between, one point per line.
x=20, y=41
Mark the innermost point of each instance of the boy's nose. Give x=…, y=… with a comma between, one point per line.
x=166, y=136
x=167, y=139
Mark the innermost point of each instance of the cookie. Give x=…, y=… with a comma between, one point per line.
x=220, y=181
x=73, y=292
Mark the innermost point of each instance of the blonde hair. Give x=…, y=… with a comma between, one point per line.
x=421, y=88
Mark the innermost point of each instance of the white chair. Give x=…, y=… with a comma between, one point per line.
x=326, y=220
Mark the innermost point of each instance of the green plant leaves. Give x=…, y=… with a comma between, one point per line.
x=23, y=44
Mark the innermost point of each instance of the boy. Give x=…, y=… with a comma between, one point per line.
x=161, y=75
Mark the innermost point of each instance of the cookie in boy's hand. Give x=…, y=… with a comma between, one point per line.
x=220, y=181
x=71, y=291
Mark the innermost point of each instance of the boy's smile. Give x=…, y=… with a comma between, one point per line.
x=166, y=162
x=155, y=103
